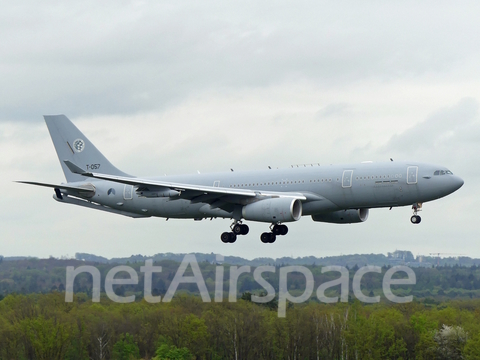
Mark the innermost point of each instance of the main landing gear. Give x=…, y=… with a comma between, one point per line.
x=237, y=229
x=241, y=229
x=277, y=230
x=416, y=219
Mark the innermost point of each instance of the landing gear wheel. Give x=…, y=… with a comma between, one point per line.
x=265, y=237
x=280, y=230
x=225, y=237
x=268, y=238
x=240, y=229
x=415, y=219
x=277, y=230
x=237, y=229
x=272, y=238
x=228, y=237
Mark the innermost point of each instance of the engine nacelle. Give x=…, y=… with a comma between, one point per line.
x=273, y=210
x=343, y=216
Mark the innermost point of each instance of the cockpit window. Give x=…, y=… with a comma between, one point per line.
x=442, y=172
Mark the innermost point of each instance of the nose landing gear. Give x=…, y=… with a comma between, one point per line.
x=416, y=219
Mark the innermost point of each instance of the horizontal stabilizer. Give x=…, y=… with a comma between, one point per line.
x=87, y=188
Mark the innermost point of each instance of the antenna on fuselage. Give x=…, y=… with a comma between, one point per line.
x=391, y=159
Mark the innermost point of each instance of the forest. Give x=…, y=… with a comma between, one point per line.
x=44, y=326
x=442, y=321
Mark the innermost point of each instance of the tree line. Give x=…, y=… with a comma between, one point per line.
x=44, y=326
x=46, y=275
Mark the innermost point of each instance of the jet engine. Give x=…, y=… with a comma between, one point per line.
x=343, y=216
x=273, y=210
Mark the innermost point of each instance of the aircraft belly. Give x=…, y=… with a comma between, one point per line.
x=318, y=207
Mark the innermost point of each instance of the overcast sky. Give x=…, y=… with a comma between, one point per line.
x=176, y=87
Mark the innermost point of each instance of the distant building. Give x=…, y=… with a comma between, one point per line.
x=400, y=257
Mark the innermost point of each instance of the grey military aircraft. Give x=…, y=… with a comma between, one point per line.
x=338, y=194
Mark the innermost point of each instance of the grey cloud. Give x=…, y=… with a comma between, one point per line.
x=102, y=58
x=334, y=109
x=447, y=126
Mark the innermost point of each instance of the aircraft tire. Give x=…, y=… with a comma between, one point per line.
x=265, y=237
x=232, y=237
x=277, y=230
x=272, y=238
x=415, y=219
x=225, y=237
x=280, y=230
x=245, y=229
x=238, y=229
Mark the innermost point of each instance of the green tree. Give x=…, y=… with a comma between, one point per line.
x=126, y=348
x=471, y=351
x=167, y=351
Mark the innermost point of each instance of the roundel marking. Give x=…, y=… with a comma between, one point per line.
x=79, y=145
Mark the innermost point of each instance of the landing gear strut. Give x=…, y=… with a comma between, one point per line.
x=277, y=230
x=416, y=219
x=237, y=229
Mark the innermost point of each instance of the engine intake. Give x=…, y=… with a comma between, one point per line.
x=273, y=210
x=343, y=216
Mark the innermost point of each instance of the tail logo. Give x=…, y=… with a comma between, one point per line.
x=79, y=145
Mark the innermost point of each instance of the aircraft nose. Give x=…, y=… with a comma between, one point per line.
x=457, y=183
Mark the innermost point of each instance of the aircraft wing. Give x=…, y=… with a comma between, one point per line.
x=208, y=194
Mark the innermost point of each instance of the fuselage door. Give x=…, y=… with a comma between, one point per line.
x=412, y=173
x=128, y=192
x=347, y=178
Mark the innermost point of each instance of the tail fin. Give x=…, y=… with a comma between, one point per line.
x=72, y=145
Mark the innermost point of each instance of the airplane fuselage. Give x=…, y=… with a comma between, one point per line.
x=328, y=188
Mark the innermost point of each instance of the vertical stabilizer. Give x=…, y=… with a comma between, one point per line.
x=72, y=145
